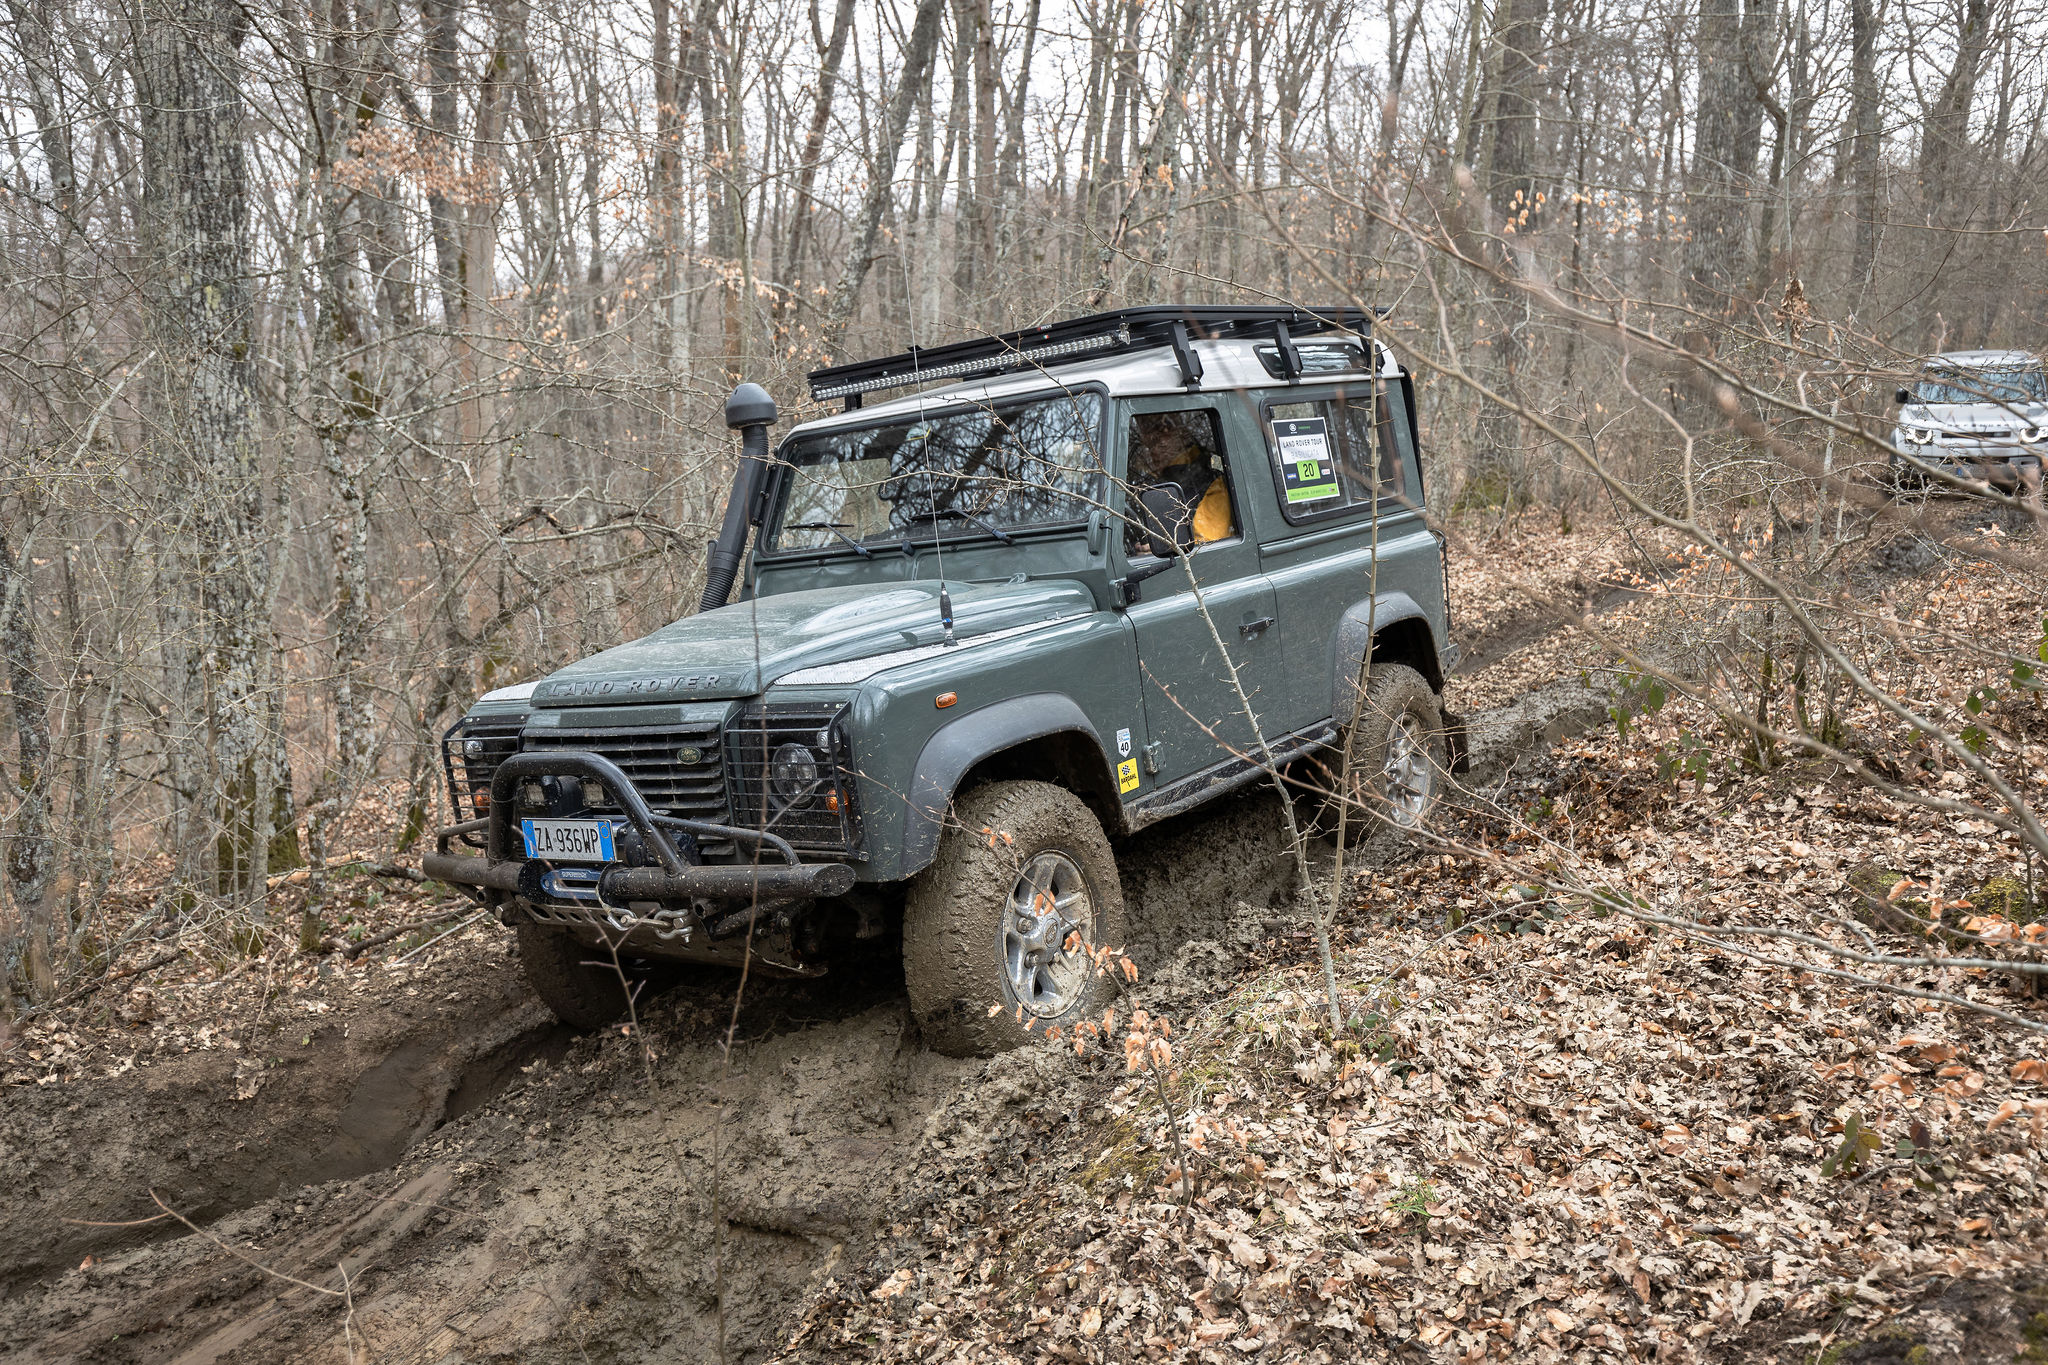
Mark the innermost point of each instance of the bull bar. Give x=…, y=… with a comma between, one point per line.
x=676, y=881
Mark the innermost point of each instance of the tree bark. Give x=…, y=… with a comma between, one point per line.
x=917, y=59
x=983, y=213
x=1946, y=138
x=1155, y=157
x=196, y=231
x=1727, y=134
x=443, y=46
x=31, y=852
x=804, y=206
x=1499, y=472
x=1865, y=146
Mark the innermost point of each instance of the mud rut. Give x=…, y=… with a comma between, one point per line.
x=469, y=1181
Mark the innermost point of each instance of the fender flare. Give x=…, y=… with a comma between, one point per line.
x=957, y=746
x=1353, y=638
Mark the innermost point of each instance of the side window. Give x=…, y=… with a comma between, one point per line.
x=1177, y=474
x=1334, y=455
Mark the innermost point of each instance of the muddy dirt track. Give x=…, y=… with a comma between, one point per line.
x=451, y=1177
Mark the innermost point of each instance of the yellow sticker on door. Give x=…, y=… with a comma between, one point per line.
x=1127, y=775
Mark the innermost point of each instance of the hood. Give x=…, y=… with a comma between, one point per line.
x=738, y=650
x=1972, y=416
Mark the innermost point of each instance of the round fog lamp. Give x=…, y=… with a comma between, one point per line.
x=793, y=772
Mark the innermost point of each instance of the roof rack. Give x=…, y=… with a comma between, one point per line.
x=1125, y=329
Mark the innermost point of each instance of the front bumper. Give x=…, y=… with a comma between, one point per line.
x=674, y=880
x=2004, y=467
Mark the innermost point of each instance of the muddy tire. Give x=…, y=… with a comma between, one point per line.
x=1400, y=758
x=987, y=922
x=561, y=971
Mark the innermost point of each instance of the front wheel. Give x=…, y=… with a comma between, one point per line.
x=579, y=983
x=1400, y=758
x=1023, y=881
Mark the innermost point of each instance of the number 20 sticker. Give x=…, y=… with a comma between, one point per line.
x=1306, y=470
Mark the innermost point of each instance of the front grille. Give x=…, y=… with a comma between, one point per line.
x=652, y=759
x=821, y=820
x=469, y=775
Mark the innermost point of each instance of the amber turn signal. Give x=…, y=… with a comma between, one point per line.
x=945, y=699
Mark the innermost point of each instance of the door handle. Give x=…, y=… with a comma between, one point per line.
x=1252, y=628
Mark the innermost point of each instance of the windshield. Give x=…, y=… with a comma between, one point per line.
x=968, y=471
x=1983, y=386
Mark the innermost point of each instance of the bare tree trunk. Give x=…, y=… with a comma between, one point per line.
x=1946, y=136
x=1010, y=209
x=1500, y=471
x=31, y=852
x=1155, y=156
x=805, y=204
x=1727, y=136
x=196, y=221
x=917, y=59
x=982, y=216
x=1865, y=147
x=443, y=45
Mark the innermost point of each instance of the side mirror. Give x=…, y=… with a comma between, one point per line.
x=1903, y=397
x=1161, y=517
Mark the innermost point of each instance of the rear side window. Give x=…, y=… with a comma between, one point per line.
x=1332, y=456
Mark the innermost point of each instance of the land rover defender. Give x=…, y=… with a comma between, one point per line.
x=1086, y=577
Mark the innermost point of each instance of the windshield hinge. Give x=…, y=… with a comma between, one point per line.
x=1290, y=357
x=1184, y=352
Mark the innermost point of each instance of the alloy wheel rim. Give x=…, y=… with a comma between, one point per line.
x=1048, y=904
x=1409, y=778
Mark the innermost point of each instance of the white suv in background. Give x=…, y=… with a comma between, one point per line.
x=1974, y=415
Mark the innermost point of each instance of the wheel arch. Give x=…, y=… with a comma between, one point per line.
x=1043, y=736
x=1397, y=630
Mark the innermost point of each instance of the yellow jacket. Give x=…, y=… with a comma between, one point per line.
x=1212, y=514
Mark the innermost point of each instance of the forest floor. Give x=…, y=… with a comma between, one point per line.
x=1546, y=1131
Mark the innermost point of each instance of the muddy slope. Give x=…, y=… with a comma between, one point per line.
x=445, y=1176
x=301, y=1103
x=571, y=1217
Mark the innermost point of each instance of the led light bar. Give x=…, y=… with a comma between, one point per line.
x=966, y=369
x=1122, y=329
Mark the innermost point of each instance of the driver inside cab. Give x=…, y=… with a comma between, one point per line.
x=1166, y=451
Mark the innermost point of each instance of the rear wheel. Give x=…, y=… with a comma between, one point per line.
x=1400, y=758
x=575, y=980
x=1024, y=879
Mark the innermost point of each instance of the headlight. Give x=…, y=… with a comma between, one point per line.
x=790, y=771
x=470, y=754
x=1919, y=436
x=793, y=773
x=2030, y=435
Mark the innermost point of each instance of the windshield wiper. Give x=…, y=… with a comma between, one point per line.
x=956, y=514
x=837, y=528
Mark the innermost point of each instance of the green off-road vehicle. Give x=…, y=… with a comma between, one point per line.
x=1112, y=569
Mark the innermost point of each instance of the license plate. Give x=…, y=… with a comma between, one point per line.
x=569, y=841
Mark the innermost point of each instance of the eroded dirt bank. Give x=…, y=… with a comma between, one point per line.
x=449, y=1176
x=445, y=1175
x=571, y=1214
x=215, y=1130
